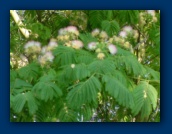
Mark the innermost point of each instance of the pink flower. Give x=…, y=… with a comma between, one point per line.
x=77, y=44
x=32, y=47
x=127, y=28
x=92, y=45
x=32, y=44
x=123, y=34
x=72, y=29
x=95, y=32
x=112, y=49
x=48, y=56
x=51, y=45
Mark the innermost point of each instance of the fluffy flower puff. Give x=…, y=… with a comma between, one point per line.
x=92, y=45
x=112, y=49
x=68, y=44
x=72, y=29
x=123, y=34
x=95, y=32
x=48, y=56
x=77, y=44
x=69, y=29
x=52, y=44
x=100, y=56
x=32, y=44
x=127, y=28
x=32, y=47
x=62, y=31
x=151, y=12
x=127, y=45
x=44, y=50
x=103, y=35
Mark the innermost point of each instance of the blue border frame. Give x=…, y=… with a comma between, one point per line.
x=166, y=90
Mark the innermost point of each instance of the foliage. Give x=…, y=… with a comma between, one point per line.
x=86, y=65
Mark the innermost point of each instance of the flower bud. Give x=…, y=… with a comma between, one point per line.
x=100, y=56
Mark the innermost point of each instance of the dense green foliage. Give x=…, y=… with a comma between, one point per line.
x=86, y=65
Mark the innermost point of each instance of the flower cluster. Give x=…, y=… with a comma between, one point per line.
x=44, y=54
x=152, y=13
x=51, y=45
x=78, y=18
x=123, y=42
x=111, y=48
x=68, y=33
x=148, y=15
x=47, y=57
x=32, y=47
x=126, y=30
x=102, y=35
x=76, y=44
x=18, y=62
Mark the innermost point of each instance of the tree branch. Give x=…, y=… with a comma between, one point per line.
x=18, y=21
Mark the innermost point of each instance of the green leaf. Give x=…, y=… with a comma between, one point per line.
x=18, y=83
x=86, y=113
x=120, y=76
x=84, y=92
x=131, y=64
x=50, y=76
x=78, y=72
x=87, y=38
x=145, y=98
x=83, y=56
x=20, y=100
x=64, y=55
x=11, y=100
x=66, y=114
x=95, y=18
x=111, y=27
x=123, y=52
x=30, y=72
x=43, y=32
x=13, y=75
x=32, y=104
x=154, y=74
x=19, y=86
x=117, y=90
x=128, y=16
x=102, y=66
x=47, y=90
x=108, y=14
